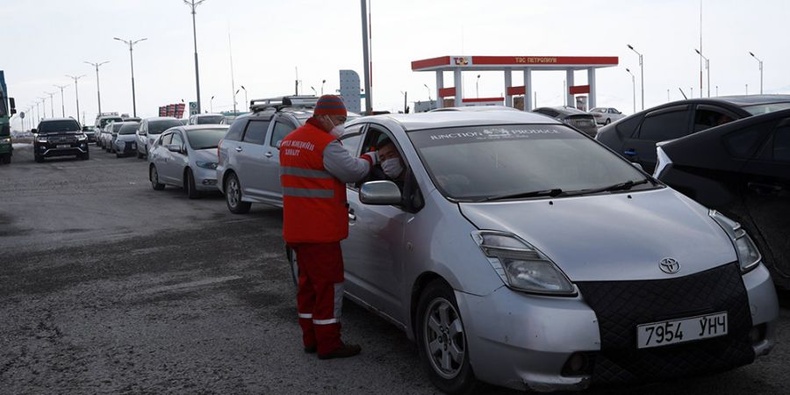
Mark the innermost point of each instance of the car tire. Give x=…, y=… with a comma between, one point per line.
x=38, y=158
x=118, y=154
x=189, y=184
x=6, y=159
x=85, y=156
x=139, y=155
x=233, y=196
x=442, y=341
x=607, y=121
x=153, y=176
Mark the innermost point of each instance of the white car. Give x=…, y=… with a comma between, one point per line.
x=606, y=115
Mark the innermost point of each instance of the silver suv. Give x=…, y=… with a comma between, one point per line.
x=248, y=169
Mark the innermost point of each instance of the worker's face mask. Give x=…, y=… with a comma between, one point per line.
x=392, y=167
x=337, y=130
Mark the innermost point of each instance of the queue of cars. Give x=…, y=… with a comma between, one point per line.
x=528, y=268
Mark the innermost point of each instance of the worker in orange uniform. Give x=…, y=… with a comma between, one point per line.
x=314, y=168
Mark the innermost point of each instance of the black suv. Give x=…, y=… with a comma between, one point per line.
x=59, y=137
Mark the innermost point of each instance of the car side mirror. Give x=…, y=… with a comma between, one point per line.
x=173, y=148
x=34, y=130
x=382, y=192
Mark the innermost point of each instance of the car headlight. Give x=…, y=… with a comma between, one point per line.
x=521, y=266
x=5, y=140
x=82, y=137
x=42, y=140
x=206, y=165
x=748, y=254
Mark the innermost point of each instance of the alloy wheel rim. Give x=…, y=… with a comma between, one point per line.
x=233, y=192
x=444, y=338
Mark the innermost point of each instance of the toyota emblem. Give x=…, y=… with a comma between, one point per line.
x=669, y=266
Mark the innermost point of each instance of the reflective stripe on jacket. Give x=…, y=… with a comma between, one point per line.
x=314, y=202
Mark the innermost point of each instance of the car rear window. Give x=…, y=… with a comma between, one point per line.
x=205, y=138
x=157, y=127
x=766, y=108
x=128, y=128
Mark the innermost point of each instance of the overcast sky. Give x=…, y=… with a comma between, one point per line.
x=272, y=43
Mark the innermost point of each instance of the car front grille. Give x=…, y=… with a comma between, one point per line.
x=62, y=139
x=621, y=306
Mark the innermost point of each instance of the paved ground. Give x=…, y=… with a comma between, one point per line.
x=107, y=286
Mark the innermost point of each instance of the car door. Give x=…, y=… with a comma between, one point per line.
x=374, y=250
x=164, y=158
x=249, y=153
x=271, y=190
x=660, y=125
x=767, y=198
x=177, y=161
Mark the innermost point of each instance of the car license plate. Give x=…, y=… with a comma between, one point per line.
x=681, y=330
x=64, y=146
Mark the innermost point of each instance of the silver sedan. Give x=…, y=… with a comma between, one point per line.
x=517, y=251
x=186, y=157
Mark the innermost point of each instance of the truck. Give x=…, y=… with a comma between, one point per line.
x=7, y=109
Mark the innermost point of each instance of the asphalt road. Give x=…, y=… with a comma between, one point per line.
x=107, y=286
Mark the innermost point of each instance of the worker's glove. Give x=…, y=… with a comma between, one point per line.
x=372, y=157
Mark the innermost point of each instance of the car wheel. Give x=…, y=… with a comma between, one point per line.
x=233, y=196
x=85, y=156
x=38, y=158
x=153, y=175
x=290, y=254
x=139, y=155
x=6, y=159
x=118, y=154
x=607, y=121
x=442, y=341
x=189, y=185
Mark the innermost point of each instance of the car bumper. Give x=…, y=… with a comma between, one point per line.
x=64, y=150
x=205, y=179
x=125, y=147
x=553, y=343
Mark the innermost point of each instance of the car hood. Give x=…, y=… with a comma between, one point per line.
x=621, y=236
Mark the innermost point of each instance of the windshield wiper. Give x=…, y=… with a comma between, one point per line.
x=544, y=192
x=620, y=186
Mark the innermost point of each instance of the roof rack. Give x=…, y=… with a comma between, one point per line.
x=277, y=103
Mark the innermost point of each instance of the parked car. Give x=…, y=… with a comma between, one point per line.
x=203, y=119
x=105, y=136
x=571, y=116
x=186, y=157
x=90, y=133
x=248, y=169
x=743, y=170
x=125, y=142
x=606, y=115
x=635, y=136
x=113, y=128
x=522, y=253
x=59, y=137
x=150, y=129
x=101, y=122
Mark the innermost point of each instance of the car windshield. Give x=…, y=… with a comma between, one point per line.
x=205, y=138
x=66, y=125
x=104, y=121
x=766, y=108
x=485, y=163
x=157, y=127
x=128, y=128
x=209, y=119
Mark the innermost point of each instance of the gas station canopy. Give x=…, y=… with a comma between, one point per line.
x=508, y=64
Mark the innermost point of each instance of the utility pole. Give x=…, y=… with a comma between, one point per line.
x=62, y=102
x=193, y=4
x=98, y=91
x=76, y=92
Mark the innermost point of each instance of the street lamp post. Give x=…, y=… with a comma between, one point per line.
x=98, y=91
x=51, y=103
x=322, y=86
x=211, y=104
x=314, y=91
x=761, y=71
x=193, y=4
x=62, y=102
x=245, y=96
x=76, y=91
x=429, y=93
x=633, y=85
x=131, y=43
x=477, y=86
x=707, y=70
x=641, y=74
x=44, y=106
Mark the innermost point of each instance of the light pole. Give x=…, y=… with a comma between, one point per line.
x=51, y=104
x=761, y=71
x=98, y=91
x=76, y=92
x=314, y=91
x=211, y=104
x=641, y=74
x=322, y=86
x=44, y=106
x=131, y=43
x=405, y=102
x=194, y=4
x=62, y=102
x=429, y=93
x=707, y=70
x=633, y=85
x=477, y=86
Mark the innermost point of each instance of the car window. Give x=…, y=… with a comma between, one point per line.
x=511, y=159
x=157, y=127
x=177, y=139
x=209, y=119
x=66, y=125
x=281, y=129
x=128, y=128
x=165, y=139
x=351, y=138
x=205, y=138
x=741, y=143
x=664, y=126
x=256, y=132
x=236, y=129
x=782, y=144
